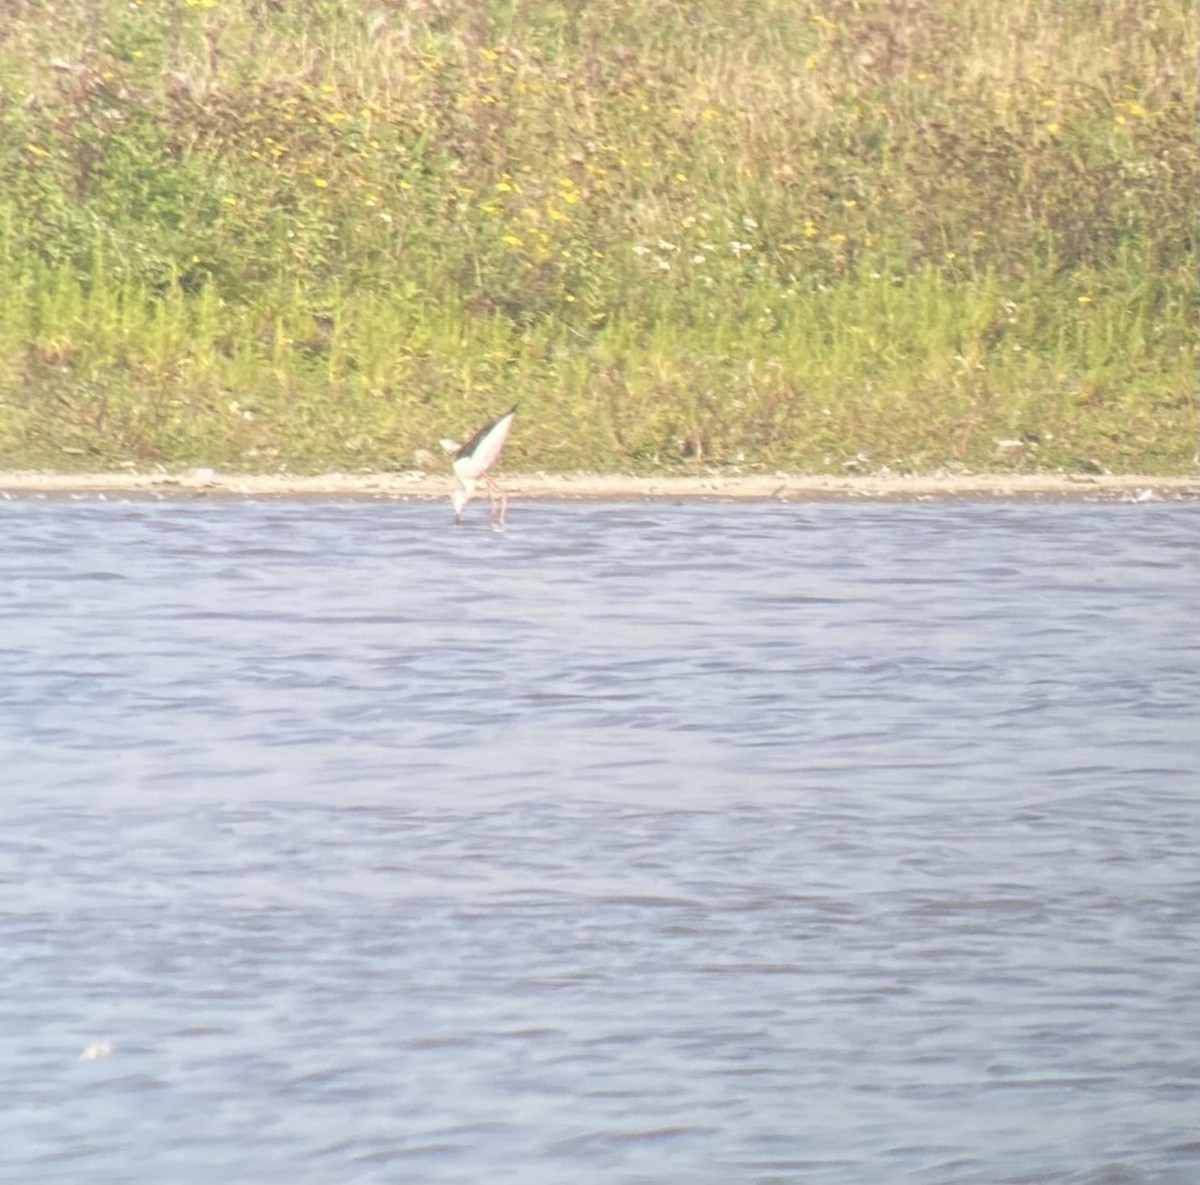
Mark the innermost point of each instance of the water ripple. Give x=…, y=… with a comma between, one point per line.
x=756, y=843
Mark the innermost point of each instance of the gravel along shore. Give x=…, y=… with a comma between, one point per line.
x=416, y=484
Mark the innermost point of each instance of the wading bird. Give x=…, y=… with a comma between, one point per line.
x=473, y=460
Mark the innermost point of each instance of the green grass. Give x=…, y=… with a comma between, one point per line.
x=275, y=233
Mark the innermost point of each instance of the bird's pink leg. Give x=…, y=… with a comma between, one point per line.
x=496, y=495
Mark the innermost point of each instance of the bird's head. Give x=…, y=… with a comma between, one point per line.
x=460, y=498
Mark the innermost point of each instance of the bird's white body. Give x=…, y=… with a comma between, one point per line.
x=473, y=460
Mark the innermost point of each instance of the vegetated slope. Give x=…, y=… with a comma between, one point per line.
x=270, y=232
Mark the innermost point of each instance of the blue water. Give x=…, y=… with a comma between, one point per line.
x=640, y=842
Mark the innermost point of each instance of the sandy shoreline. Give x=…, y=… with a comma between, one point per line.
x=418, y=485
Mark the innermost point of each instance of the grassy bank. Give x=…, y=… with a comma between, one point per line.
x=266, y=233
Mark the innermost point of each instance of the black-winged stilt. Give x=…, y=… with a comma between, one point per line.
x=473, y=460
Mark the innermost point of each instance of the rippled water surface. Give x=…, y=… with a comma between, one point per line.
x=643, y=842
